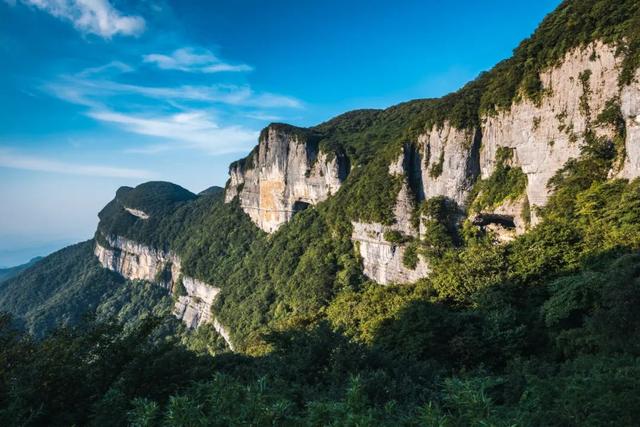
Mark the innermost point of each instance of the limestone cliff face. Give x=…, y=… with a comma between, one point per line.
x=194, y=308
x=546, y=135
x=449, y=162
x=630, y=107
x=382, y=260
x=286, y=174
x=542, y=136
x=139, y=262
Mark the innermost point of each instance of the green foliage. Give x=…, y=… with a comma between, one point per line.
x=153, y=197
x=505, y=183
x=89, y=372
x=287, y=277
x=362, y=314
x=59, y=289
x=439, y=231
x=458, y=274
x=573, y=24
x=437, y=168
x=410, y=256
x=178, y=289
x=539, y=331
x=395, y=237
x=612, y=116
x=8, y=273
x=585, y=80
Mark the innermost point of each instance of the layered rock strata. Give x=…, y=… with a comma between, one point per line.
x=135, y=261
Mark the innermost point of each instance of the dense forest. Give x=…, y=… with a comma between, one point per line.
x=542, y=330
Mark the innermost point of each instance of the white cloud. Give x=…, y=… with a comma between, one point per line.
x=193, y=60
x=180, y=117
x=190, y=129
x=259, y=115
x=81, y=90
x=10, y=159
x=120, y=67
x=97, y=17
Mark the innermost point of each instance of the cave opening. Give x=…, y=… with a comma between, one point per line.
x=299, y=205
x=506, y=221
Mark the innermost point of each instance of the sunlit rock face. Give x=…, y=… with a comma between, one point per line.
x=543, y=136
x=138, y=262
x=285, y=174
x=382, y=261
x=135, y=261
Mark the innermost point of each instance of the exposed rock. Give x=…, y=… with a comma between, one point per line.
x=286, y=174
x=630, y=107
x=382, y=260
x=222, y=331
x=139, y=262
x=450, y=162
x=505, y=221
x=195, y=308
x=545, y=136
x=137, y=212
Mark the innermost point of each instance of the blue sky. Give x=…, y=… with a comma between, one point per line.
x=95, y=94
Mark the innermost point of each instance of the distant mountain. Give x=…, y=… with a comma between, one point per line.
x=8, y=273
x=212, y=191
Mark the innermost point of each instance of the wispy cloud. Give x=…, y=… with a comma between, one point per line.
x=79, y=90
x=259, y=115
x=193, y=60
x=192, y=129
x=118, y=66
x=97, y=17
x=13, y=160
x=181, y=117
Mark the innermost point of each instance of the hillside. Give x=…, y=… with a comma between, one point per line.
x=468, y=260
x=7, y=273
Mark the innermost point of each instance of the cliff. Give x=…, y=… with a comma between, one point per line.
x=285, y=174
x=134, y=261
x=494, y=169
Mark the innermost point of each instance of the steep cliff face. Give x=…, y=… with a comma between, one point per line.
x=540, y=136
x=630, y=108
x=382, y=260
x=284, y=175
x=545, y=135
x=449, y=162
x=139, y=262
